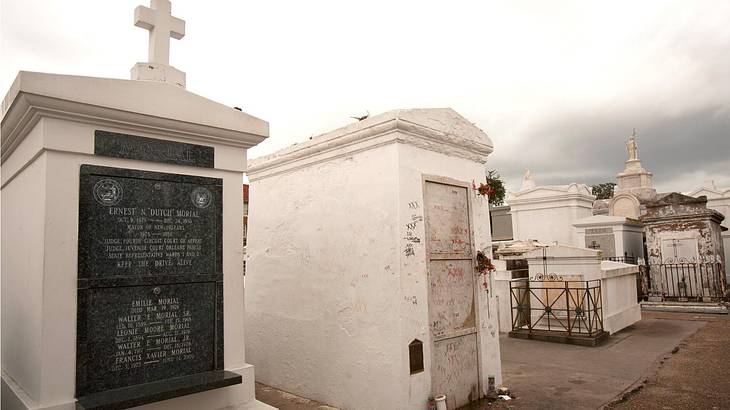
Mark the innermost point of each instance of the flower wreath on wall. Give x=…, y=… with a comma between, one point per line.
x=483, y=189
x=484, y=267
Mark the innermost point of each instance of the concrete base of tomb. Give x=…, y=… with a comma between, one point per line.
x=13, y=397
x=561, y=337
x=685, y=307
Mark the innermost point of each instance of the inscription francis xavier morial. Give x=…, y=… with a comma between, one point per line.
x=113, y=144
x=150, y=280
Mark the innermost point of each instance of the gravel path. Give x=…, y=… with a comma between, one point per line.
x=696, y=376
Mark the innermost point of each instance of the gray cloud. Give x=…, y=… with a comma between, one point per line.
x=590, y=149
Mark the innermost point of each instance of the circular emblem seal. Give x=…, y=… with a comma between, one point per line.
x=108, y=192
x=201, y=197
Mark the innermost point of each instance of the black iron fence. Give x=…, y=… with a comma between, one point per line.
x=688, y=281
x=568, y=307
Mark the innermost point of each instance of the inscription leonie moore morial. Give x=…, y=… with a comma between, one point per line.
x=150, y=294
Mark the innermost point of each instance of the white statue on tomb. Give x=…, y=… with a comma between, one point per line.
x=631, y=146
x=527, y=181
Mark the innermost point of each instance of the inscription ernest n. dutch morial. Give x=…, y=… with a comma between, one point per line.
x=113, y=144
x=145, y=226
x=150, y=297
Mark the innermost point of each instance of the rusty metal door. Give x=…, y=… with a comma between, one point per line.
x=451, y=304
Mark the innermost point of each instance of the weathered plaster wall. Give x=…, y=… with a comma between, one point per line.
x=702, y=231
x=413, y=165
x=334, y=298
x=336, y=262
x=323, y=280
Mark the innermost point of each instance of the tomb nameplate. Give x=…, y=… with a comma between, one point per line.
x=150, y=284
x=139, y=334
x=113, y=144
x=138, y=223
x=598, y=231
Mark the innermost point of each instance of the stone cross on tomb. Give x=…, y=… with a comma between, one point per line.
x=162, y=25
x=675, y=244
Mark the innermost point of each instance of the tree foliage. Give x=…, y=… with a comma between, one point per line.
x=603, y=191
x=494, y=181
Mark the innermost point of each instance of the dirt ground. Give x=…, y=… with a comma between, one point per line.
x=697, y=376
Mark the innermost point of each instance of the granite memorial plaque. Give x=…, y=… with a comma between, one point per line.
x=603, y=239
x=150, y=285
x=114, y=144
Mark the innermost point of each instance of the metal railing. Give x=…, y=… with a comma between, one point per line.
x=568, y=307
x=633, y=260
x=688, y=281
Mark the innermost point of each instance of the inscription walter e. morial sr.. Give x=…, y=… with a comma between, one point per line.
x=150, y=291
x=113, y=144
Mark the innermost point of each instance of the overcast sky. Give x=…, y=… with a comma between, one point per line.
x=557, y=85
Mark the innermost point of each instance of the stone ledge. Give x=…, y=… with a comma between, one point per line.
x=685, y=307
x=146, y=393
x=561, y=337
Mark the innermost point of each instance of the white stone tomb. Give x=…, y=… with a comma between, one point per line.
x=361, y=252
x=48, y=129
x=546, y=212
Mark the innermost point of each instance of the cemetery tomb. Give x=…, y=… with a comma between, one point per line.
x=546, y=213
x=360, y=268
x=572, y=296
x=150, y=298
x=686, y=254
x=121, y=287
x=617, y=237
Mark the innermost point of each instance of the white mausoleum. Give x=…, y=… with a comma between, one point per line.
x=546, y=213
x=361, y=288
x=49, y=126
x=615, y=236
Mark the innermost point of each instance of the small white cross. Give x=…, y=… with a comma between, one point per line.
x=162, y=25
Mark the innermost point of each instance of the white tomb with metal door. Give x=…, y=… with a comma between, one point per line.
x=361, y=287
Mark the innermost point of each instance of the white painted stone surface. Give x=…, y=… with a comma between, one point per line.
x=719, y=200
x=618, y=290
x=546, y=213
x=628, y=234
x=333, y=299
x=48, y=124
x=571, y=262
